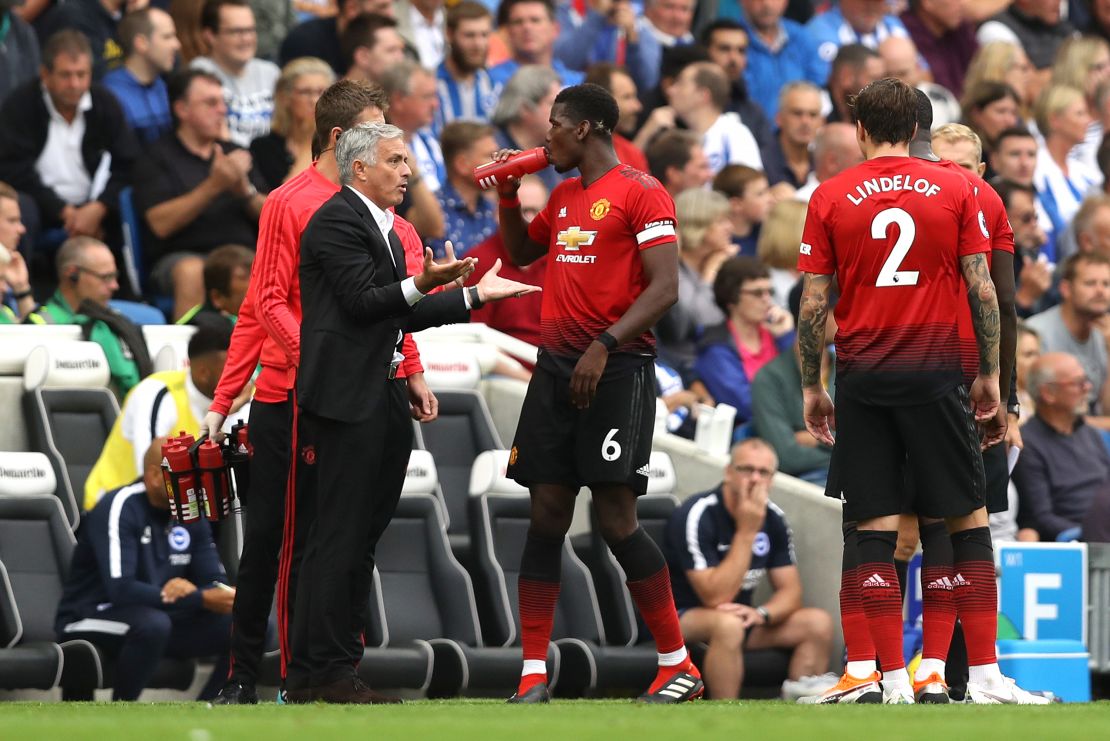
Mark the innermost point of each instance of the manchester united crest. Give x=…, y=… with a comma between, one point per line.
x=600, y=209
x=512, y=456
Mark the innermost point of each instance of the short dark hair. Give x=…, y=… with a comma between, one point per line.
x=734, y=273
x=220, y=266
x=210, y=12
x=924, y=112
x=459, y=136
x=853, y=55
x=887, y=109
x=601, y=74
x=466, y=10
x=340, y=105
x=209, y=338
x=733, y=180
x=69, y=42
x=593, y=103
x=362, y=32
x=1007, y=188
x=985, y=92
x=507, y=6
x=134, y=24
x=709, y=76
x=1071, y=264
x=670, y=149
x=721, y=24
x=179, y=83
x=677, y=58
x=1014, y=132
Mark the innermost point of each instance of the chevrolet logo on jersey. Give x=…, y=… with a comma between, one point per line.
x=571, y=240
x=573, y=237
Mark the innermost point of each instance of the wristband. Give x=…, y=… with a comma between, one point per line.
x=21, y=295
x=766, y=615
x=1014, y=409
x=475, y=301
x=513, y=202
x=608, y=340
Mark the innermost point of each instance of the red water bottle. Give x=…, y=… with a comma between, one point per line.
x=492, y=173
x=181, y=482
x=213, y=480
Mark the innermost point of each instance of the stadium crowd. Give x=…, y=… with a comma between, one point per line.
x=156, y=128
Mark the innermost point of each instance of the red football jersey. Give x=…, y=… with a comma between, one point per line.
x=892, y=230
x=594, y=236
x=1002, y=239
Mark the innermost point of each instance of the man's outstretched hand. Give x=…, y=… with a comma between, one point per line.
x=492, y=287
x=436, y=274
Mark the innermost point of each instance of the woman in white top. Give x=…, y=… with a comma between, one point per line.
x=1084, y=63
x=1061, y=180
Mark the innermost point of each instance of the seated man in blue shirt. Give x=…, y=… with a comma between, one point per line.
x=142, y=586
x=719, y=545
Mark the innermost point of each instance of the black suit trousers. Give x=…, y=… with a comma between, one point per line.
x=359, y=471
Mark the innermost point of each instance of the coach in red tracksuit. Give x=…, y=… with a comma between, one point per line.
x=269, y=327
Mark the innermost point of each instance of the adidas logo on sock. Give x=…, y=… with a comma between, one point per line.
x=959, y=581
x=875, y=581
x=942, y=583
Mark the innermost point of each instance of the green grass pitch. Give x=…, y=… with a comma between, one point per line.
x=486, y=720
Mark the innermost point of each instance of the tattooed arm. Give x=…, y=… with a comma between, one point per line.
x=812, y=318
x=985, y=319
x=984, y=310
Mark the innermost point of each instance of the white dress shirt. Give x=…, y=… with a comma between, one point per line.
x=428, y=37
x=61, y=167
x=384, y=221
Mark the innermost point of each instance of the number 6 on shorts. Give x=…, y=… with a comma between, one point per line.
x=610, y=448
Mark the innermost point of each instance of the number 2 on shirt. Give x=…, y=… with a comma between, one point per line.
x=890, y=275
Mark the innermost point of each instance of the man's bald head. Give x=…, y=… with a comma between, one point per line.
x=835, y=149
x=153, y=478
x=900, y=59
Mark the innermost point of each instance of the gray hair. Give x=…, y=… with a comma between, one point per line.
x=1040, y=375
x=796, y=86
x=398, y=78
x=526, y=87
x=361, y=143
x=73, y=250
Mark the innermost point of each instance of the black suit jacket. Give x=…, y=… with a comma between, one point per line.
x=353, y=307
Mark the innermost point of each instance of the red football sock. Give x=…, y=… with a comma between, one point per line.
x=537, y=615
x=976, y=594
x=853, y=620
x=880, y=595
x=655, y=601
x=938, y=607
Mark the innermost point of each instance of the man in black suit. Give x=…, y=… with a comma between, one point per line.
x=355, y=426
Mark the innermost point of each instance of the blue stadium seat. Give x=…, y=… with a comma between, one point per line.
x=139, y=313
x=132, y=249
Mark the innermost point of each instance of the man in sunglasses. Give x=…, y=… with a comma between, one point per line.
x=719, y=546
x=87, y=279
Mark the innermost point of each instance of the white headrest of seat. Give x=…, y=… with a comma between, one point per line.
x=661, y=474
x=450, y=367
x=24, y=474
x=167, y=360
x=487, y=475
x=66, y=365
x=17, y=341
x=174, y=336
x=421, y=476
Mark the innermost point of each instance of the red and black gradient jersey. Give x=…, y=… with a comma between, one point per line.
x=893, y=230
x=1002, y=240
x=594, y=236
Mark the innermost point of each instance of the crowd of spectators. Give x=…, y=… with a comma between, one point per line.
x=170, y=120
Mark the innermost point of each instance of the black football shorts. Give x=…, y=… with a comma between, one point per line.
x=879, y=447
x=608, y=442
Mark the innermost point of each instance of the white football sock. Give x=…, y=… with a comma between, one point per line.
x=533, y=666
x=985, y=674
x=927, y=667
x=861, y=669
x=674, y=658
x=896, y=677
